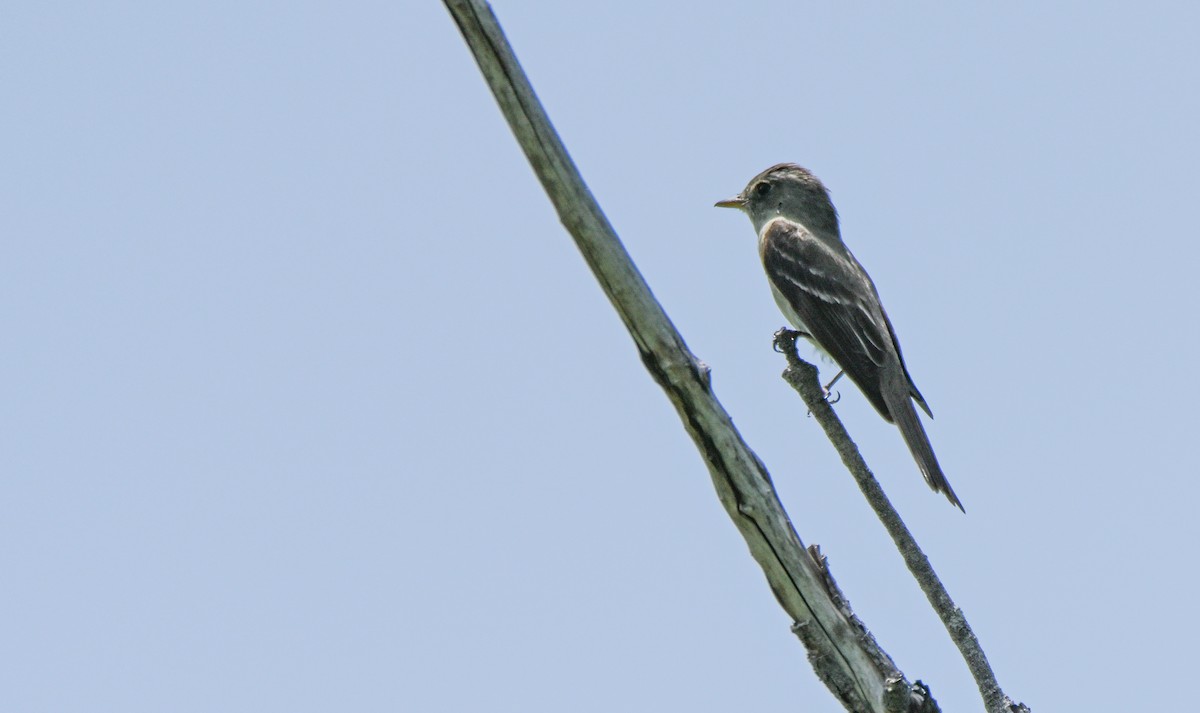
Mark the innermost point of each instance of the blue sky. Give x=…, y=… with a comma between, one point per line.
x=310, y=403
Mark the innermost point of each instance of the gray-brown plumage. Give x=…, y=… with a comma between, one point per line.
x=823, y=290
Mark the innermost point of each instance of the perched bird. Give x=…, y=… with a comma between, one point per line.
x=823, y=290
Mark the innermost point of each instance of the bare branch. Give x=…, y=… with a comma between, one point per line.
x=841, y=650
x=804, y=379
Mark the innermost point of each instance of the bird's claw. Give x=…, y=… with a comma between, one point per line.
x=785, y=339
x=831, y=398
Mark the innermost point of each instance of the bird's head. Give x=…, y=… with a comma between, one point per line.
x=790, y=191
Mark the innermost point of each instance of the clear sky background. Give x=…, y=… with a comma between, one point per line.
x=310, y=404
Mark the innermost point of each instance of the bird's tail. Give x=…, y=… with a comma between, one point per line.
x=900, y=406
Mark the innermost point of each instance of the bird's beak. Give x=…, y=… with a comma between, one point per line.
x=735, y=202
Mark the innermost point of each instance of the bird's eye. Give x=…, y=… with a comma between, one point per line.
x=761, y=189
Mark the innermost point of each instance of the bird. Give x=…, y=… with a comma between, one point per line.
x=827, y=295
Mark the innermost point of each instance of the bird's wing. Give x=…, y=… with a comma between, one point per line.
x=834, y=297
x=912, y=386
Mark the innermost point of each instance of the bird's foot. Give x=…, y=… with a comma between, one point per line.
x=831, y=397
x=785, y=340
x=836, y=395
